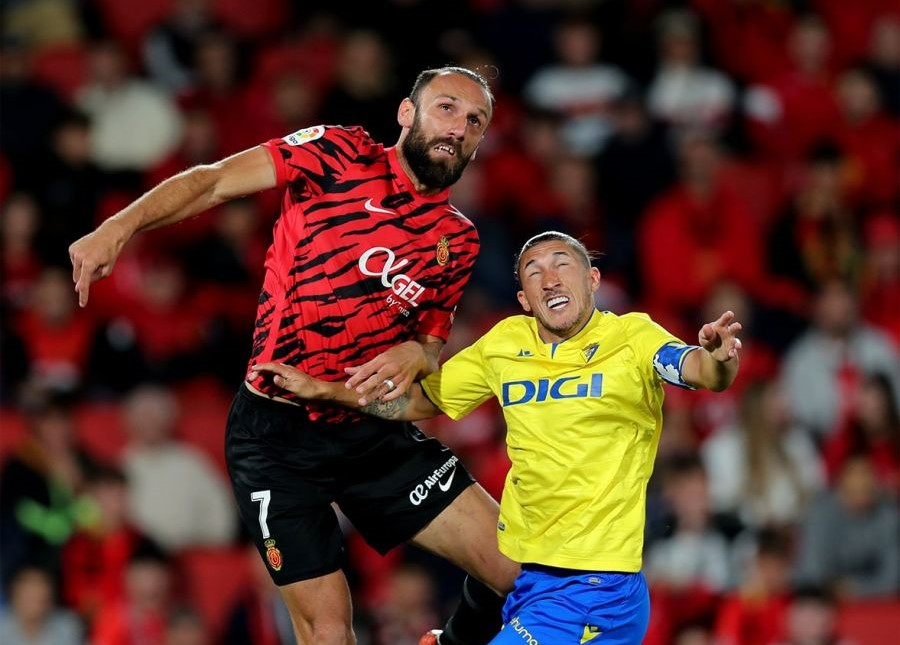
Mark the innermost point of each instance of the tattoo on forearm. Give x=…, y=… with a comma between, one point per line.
x=387, y=409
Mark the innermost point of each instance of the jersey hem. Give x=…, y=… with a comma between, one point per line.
x=620, y=565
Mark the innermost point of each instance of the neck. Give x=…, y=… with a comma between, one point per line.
x=549, y=336
x=421, y=188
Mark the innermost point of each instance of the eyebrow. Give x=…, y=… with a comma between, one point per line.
x=456, y=99
x=555, y=253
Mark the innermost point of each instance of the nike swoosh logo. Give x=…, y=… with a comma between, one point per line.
x=445, y=486
x=369, y=206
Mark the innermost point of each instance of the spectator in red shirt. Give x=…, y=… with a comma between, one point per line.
x=880, y=288
x=21, y=264
x=698, y=234
x=869, y=139
x=95, y=558
x=873, y=430
x=58, y=335
x=755, y=613
x=748, y=36
x=791, y=112
x=815, y=238
x=218, y=91
x=141, y=616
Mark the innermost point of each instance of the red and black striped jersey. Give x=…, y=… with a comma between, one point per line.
x=359, y=260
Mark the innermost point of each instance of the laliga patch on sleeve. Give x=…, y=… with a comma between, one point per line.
x=305, y=135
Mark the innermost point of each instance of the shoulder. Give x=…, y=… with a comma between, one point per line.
x=512, y=330
x=343, y=137
x=458, y=228
x=459, y=217
x=635, y=321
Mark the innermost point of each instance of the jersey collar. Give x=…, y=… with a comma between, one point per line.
x=589, y=325
x=405, y=183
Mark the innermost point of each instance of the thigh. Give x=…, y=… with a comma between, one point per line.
x=283, y=500
x=465, y=533
x=320, y=606
x=396, y=480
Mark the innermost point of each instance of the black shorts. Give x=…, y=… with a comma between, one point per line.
x=387, y=477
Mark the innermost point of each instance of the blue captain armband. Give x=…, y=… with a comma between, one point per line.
x=668, y=361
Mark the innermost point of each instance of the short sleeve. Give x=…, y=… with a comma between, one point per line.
x=661, y=353
x=316, y=154
x=462, y=383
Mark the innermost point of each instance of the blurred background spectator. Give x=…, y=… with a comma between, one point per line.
x=719, y=154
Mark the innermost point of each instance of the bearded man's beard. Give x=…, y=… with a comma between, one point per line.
x=438, y=174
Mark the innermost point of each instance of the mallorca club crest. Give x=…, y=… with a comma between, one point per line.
x=442, y=252
x=273, y=555
x=589, y=352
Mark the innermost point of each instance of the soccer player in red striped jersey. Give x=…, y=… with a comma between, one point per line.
x=367, y=264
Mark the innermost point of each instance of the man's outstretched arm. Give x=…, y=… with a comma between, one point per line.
x=411, y=406
x=715, y=365
x=177, y=198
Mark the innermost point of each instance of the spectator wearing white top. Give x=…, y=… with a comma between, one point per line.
x=764, y=469
x=176, y=498
x=578, y=86
x=684, y=93
x=134, y=124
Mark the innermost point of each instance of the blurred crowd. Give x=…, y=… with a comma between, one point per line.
x=720, y=154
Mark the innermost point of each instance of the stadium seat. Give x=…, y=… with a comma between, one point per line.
x=212, y=580
x=870, y=622
x=63, y=67
x=128, y=22
x=758, y=184
x=267, y=16
x=12, y=431
x=204, y=409
x=100, y=430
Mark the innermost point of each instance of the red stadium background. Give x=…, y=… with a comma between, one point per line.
x=721, y=154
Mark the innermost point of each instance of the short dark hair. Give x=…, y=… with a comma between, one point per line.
x=426, y=76
x=553, y=236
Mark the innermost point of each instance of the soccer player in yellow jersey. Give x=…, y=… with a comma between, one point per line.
x=582, y=394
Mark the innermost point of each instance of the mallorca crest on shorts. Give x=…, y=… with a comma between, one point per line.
x=273, y=555
x=442, y=252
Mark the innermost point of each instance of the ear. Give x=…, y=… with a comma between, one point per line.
x=523, y=301
x=406, y=113
x=595, y=279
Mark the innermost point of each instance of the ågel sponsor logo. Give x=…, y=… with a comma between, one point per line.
x=567, y=387
x=403, y=286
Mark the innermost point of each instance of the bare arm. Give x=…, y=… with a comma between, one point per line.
x=715, y=365
x=411, y=406
x=177, y=198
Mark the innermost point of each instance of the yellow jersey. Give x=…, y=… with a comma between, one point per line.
x=583, y=422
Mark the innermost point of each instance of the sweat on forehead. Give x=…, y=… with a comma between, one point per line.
x=553, y=236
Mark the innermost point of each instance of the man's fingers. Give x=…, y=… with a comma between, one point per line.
x=363, y=372
x=400, y=388
x=370, y=384
x=83, y=285
x=725, y=318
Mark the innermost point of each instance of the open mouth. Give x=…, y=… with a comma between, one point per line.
x=556, y=303
x=446, y=149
